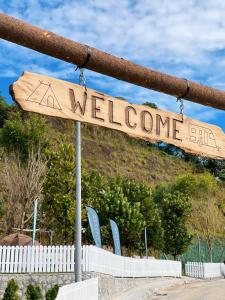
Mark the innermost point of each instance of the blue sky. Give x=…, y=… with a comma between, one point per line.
x=179, y=37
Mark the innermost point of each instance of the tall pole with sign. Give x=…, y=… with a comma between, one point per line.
x=78, y=235
x=78, y=249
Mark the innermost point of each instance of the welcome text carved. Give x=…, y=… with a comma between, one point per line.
x=53, y=97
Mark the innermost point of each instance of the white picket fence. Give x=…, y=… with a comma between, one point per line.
x=48, y=259
x=36, y=259
x=204, y=270
x=87, y=289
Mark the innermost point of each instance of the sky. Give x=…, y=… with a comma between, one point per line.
x=182, y=38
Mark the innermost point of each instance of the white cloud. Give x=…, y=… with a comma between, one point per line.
x=183, y=38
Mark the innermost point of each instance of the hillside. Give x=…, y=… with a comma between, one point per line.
x=114, y=153
x=23, y=136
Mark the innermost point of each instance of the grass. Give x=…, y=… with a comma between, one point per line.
x=113, y=153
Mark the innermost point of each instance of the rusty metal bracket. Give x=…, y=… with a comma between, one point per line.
x=86, y=59
x=185, y=92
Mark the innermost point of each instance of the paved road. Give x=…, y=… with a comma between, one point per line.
x=203, y=290
x=145, y=289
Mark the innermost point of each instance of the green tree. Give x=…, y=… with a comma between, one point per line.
x=11, y=291
x=52, y=292
x=141, y=193
x=108, y=198
x=206, y=194
x=20, y=184
x=150, y=104
x=115, y=205
x=58, y=204
x=4, y=111
x=121, y=98
x=175, y=210
x=25, y=135
x=216, y=167
x=195, y=186
x=33, y=292
x=207, y=220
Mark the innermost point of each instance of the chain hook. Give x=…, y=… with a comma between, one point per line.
x=82, y=78
x=180, y=99
x=181, y=107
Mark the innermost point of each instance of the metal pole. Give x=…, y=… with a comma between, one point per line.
x=78, y=249
x=35, y=221
x=46, y=42
x=146, y=243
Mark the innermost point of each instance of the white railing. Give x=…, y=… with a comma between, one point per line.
x=83, y=290
x=204, y=270
x=38, y=259
x=194, y=269
x=102, y=261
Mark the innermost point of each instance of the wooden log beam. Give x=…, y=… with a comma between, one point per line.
x=51, y=44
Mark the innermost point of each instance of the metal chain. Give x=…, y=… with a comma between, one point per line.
x=181, y=106
x=180, y=98
x=82, y=79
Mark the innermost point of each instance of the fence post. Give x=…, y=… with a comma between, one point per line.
x=186, y=268
x=204, y=270
x=192, y=269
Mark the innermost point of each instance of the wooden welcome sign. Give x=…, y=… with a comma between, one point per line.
x=54, y=97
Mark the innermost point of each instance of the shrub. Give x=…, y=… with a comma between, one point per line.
x=11, y=291
x=52, y=293
x=175, y=211
x=33, y=292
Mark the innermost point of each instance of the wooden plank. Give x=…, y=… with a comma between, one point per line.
x=49, y=252
x=72, y=258
x=45, y=259
x=54, y=97
x=8, y=254
x=16, y=260
x=12, y=259
x=64, y=258
x=52, y=266
x=1, y=259
x=57, y=259
x=61, y=258
x=4, y=259
x=20, y=259
x=68, y=263
x=32, y=267
x=36, y=258
x=29, y=258
x=25, y=259
x=40, y=259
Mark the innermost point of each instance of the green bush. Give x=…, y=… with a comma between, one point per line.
x=11, y=291
x=52, y=293
x=33, y=292
x=22, y=136
x=175, y=211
